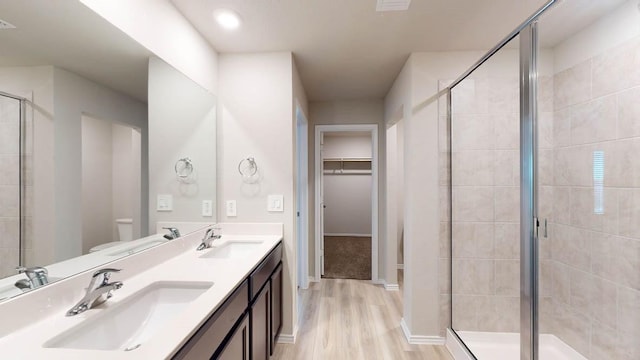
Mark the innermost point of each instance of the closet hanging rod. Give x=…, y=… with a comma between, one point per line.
x=354, y=159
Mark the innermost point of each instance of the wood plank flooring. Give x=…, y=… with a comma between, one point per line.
x=351, y=320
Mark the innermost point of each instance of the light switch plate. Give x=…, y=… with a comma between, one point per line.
x=207, y=208
x=164, y=202
x=231, y=208
x=275, y=203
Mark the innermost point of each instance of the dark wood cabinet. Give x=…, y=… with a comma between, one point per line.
x=261, y=325
x=247, y=324
x=276, y=305
x=237, y=346
x=211, y=336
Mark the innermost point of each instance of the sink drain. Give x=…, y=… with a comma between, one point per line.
x=131, y=348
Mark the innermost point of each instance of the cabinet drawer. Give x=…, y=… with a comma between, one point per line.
x=211, y=335
x=262, y=273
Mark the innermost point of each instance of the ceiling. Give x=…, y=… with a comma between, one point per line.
x=344, y=49
x=69, y=35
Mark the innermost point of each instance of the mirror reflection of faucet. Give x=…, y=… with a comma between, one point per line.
x=36, y=276
x=174, y=233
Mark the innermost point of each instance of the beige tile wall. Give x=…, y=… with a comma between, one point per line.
x=485, y=170
x=596, y=256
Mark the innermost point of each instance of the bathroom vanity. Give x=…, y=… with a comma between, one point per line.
x=224, y=302
x=249, y=320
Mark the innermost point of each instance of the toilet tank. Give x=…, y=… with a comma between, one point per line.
x=125, y=229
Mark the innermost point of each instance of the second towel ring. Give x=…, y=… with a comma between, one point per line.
x=248, y=167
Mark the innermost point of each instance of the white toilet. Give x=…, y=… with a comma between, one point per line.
x=125, y=233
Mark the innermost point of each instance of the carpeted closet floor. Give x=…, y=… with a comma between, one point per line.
x=347, y=257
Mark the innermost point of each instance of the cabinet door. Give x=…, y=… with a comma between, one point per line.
x=260, y=325
x=237, y=347
x=276, y=305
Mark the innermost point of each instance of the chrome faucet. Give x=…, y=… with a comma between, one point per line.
x=96, y=295
x=37, y=277
x=174, y=233
x=208, y=238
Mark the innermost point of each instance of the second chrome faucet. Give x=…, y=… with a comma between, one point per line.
x=208, y=238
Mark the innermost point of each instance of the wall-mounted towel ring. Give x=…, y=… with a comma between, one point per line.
x=183, y=168
x=248, y=167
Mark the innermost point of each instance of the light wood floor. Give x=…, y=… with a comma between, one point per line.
x=353, y=319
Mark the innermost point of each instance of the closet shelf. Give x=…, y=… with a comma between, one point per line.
x=347, y=166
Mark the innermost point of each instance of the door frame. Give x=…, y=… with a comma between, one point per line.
x=302, y=197
x=319, y=130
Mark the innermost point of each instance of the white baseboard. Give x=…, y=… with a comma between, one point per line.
x=378, y=282
x=288, y=338
x=392, y=287
x=400, y=266
x=420, y=339
x=313, y=279
x=347, y=235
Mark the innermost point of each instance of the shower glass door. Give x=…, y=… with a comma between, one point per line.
x=589, y=180
x=10, y=176
x=485, y=211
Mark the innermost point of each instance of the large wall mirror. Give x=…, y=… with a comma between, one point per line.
x=82, y=146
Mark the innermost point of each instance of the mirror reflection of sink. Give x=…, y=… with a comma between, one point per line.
x=137, y=248
x=129, y=324
x=233, y=250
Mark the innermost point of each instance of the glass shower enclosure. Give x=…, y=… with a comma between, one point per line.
x=545, y=189
x=12, y=195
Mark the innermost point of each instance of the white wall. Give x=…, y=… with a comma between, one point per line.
x=182, y=123
x=352, y=112
x=347, y=196
x=125, y=175
x=608, y=31
x=74, y=97
x=161, y=28
x=257, y=118
x=413, y=98
x=395, y=190
x=97, y=179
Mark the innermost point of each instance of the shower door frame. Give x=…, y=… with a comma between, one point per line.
x=529, y=281
x=21, y=184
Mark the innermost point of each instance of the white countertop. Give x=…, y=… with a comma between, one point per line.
x=186, y=266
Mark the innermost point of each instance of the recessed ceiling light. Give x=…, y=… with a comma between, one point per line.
x=228, y=19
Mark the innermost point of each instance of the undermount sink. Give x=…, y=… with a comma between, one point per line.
x=137, y=248
x=131, y=323
x=233, y=250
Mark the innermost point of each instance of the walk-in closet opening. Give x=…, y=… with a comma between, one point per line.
x=348, y=193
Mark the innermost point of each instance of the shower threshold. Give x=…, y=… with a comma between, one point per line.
x=506, y=346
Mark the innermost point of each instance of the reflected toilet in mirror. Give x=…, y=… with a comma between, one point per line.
x=125, y=233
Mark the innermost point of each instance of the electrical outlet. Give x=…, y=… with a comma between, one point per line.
x=207, y=208
x=231, y=208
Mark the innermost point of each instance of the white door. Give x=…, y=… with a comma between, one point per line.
x=322, y=205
